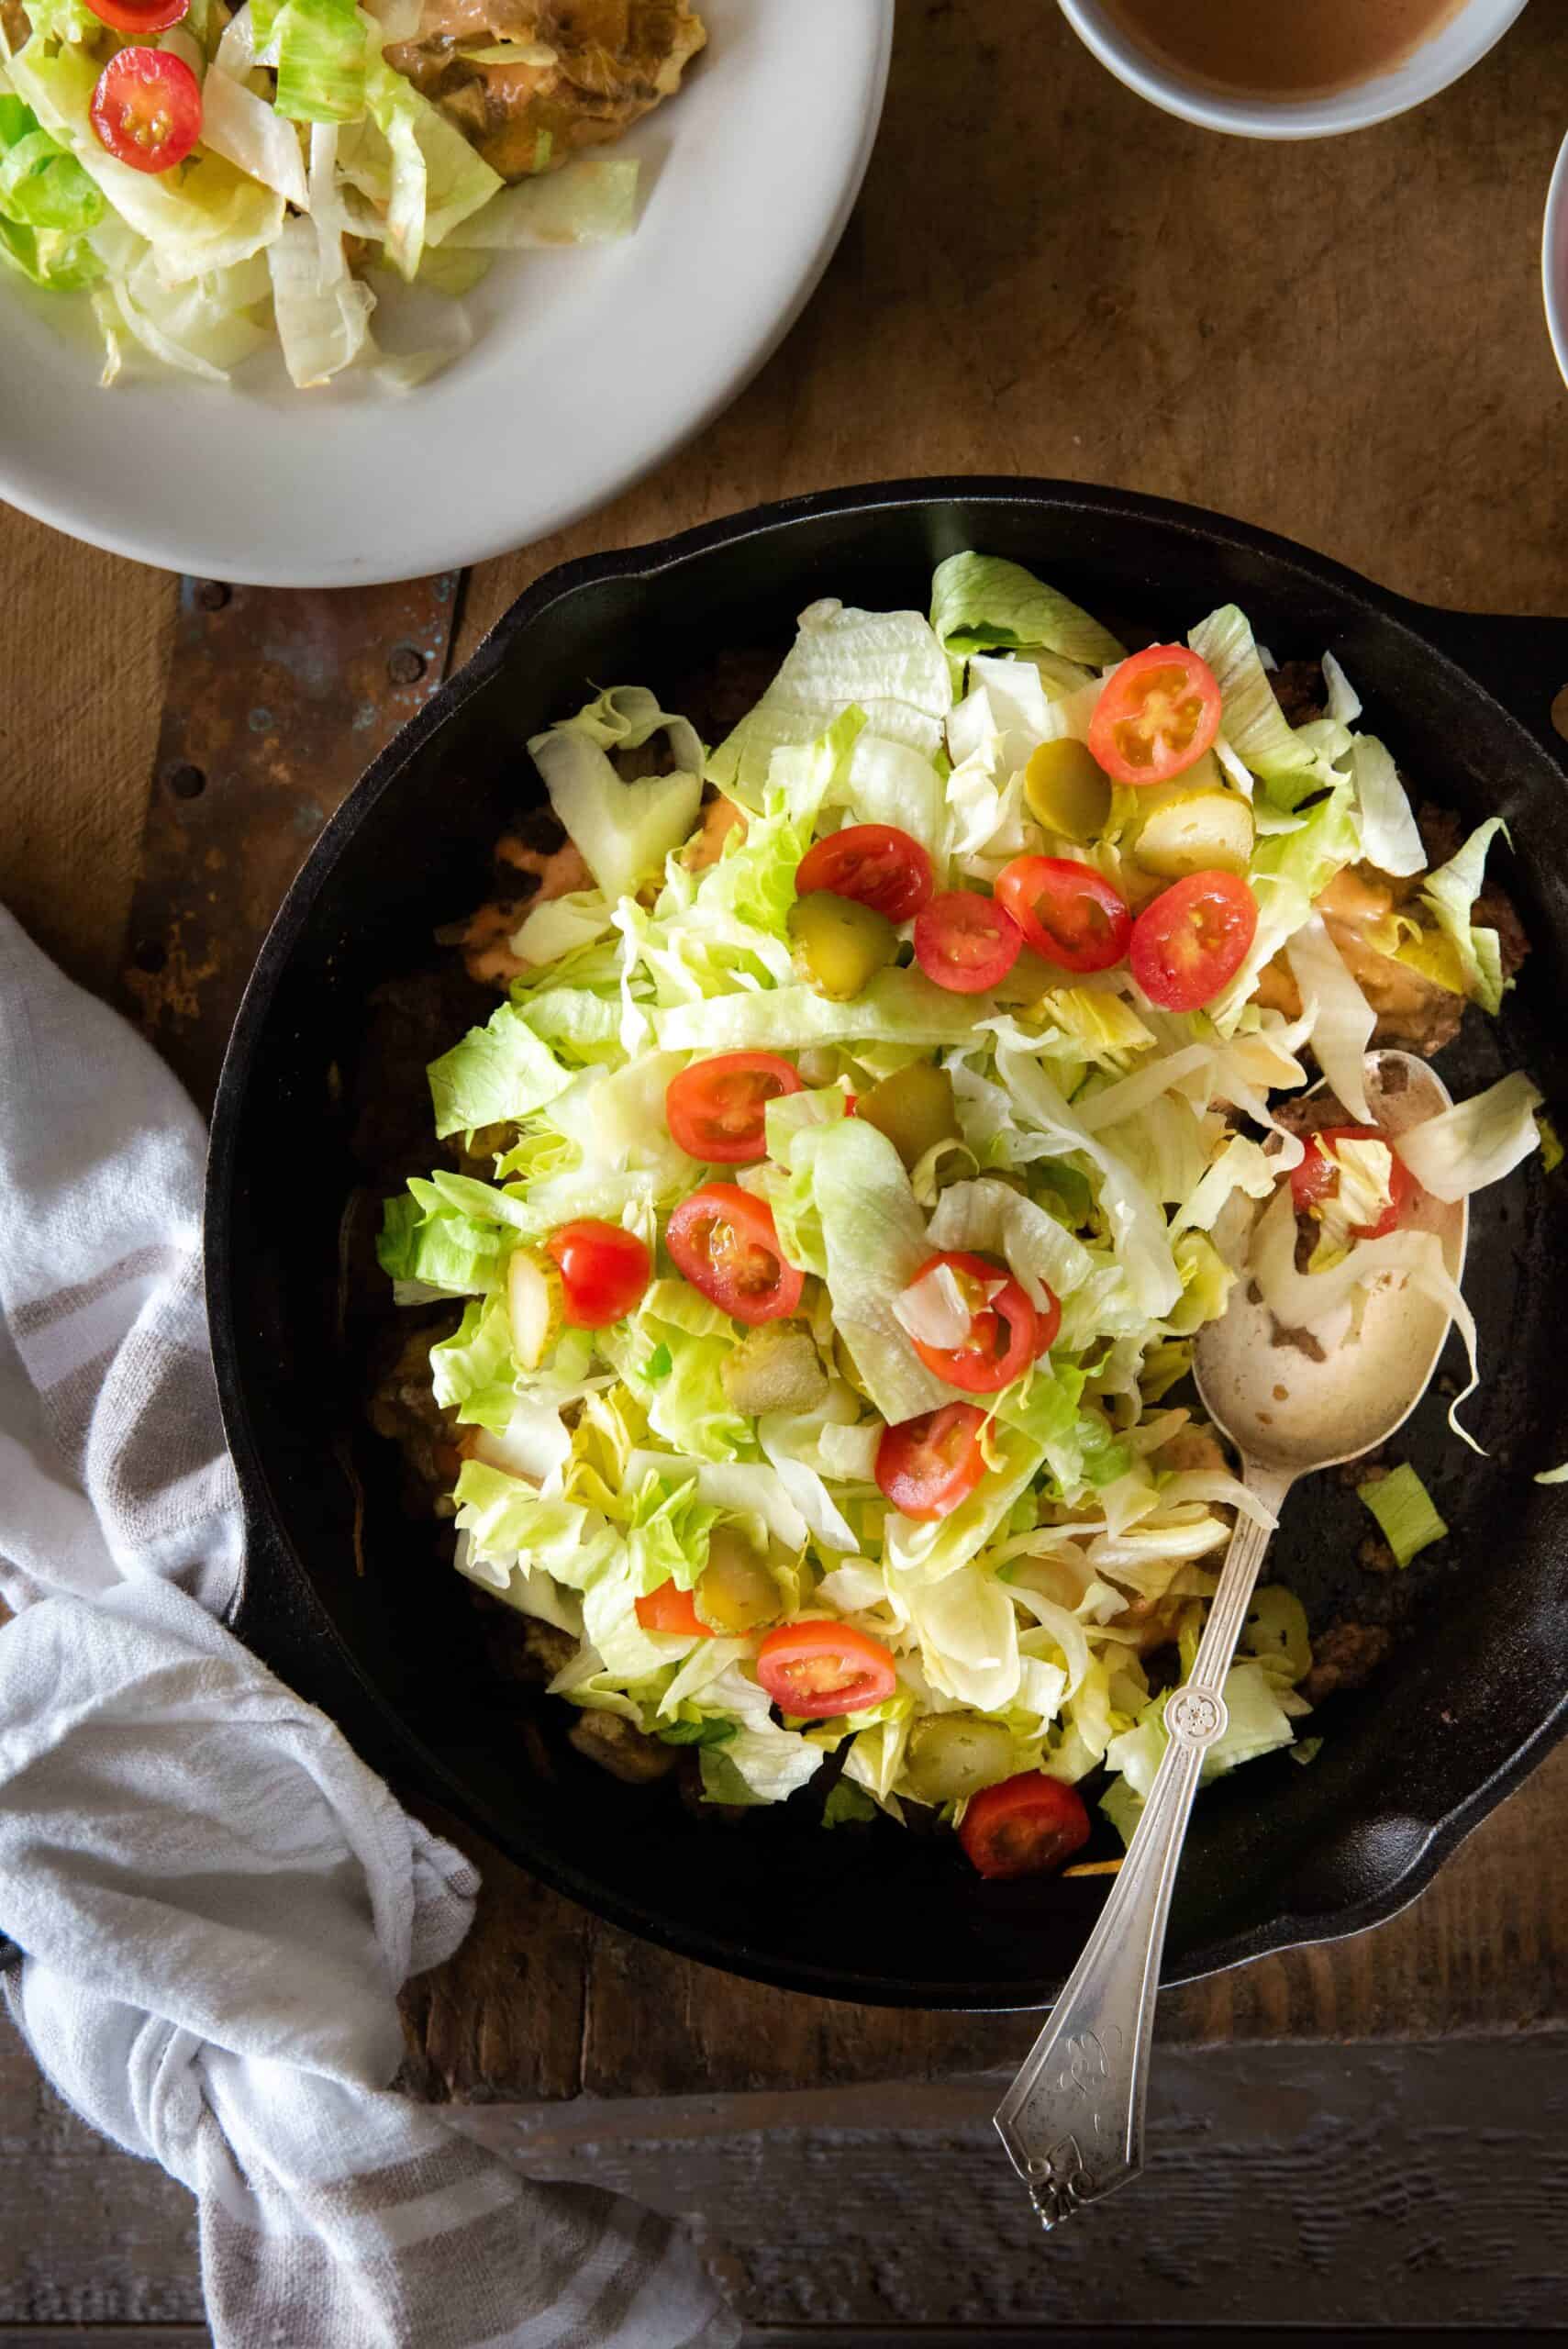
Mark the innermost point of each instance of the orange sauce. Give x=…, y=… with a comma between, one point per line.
x=1262, y=48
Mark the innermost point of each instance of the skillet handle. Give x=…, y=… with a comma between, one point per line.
x=1522, y=662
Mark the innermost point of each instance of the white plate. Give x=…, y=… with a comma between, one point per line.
x=1554, y=259
x=588, y=367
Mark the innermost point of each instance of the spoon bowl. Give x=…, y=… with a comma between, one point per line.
x=1288, y=1413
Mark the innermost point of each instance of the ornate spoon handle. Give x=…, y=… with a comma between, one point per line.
x=1073, y=2120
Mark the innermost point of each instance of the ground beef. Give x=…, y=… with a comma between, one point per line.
x=404, y=1410
x=523, y=1650
x=725, y=690
x=610, y=1741
x=1299, y=690
x=1345, y=1657
x=411, y=1022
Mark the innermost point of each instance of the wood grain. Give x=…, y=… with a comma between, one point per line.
x=512, y=2017
x=87, y=2235
x=83, y=646
x=1288, y=2186
x=1342, y=340
x=1285, y=2186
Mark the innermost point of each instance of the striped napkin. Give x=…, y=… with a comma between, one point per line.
x=211, y=1903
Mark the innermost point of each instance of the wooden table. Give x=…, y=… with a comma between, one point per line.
x=1342, y=341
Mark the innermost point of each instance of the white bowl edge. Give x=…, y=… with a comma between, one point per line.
x=1441, y=61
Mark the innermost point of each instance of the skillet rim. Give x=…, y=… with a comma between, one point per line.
x=1494, y=642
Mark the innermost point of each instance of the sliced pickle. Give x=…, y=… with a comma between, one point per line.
x=1067, y=791
x=841, y=944
x=1196, y=824
x=914, y=1109
x=955, y=1755
x=739, y=1590
x=774, y=1368
x=533, y=1306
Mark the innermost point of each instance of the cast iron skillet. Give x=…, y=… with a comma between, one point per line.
x=1476, y=1686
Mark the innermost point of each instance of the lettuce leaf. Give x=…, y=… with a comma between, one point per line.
x=1476, y=1143
x=498, y=1072
x=590, y=201
x=444, y=1250
x=417, y=168
x=1342, y=1026
x=1255, y=726
x=887, y=664
x=1403, y=1508
x=1391, y=839
x=1450, y=893
x=473, y=1369
x=624, y=831
x=980, y=602
x=875, y=1241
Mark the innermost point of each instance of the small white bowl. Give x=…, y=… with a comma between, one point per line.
x=1554, y=259
x=1449, y=53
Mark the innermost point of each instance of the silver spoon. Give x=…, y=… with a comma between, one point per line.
x=1073, y=2120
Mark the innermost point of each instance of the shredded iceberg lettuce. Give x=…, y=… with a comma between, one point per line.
x=164, y=255
x=1077, y=1139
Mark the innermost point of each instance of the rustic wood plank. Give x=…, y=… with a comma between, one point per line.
x=87, y=2235
x=526, y=1954
x=1311, y=2186
x=103, y=2336
x=1484, y=1951
x=274, y=704
x=83, y=655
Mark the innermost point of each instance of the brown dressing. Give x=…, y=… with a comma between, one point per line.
x=1260, y=49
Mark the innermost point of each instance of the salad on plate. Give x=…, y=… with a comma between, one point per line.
x=882, y=1098
x=214, y=181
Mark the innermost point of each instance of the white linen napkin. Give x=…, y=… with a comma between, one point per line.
x=216, y=1902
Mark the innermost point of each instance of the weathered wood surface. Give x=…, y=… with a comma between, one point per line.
x=543, y=2001
x=1287, y=2186
x=84, y=645
x=1342, y=341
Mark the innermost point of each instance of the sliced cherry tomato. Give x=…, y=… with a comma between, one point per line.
x=1193, y=940
x=715, y=1109
x=724, y=1241
x=147, y=109
x=1003, y=1336
x=139, y=16
x=965, y=942
x=926, y=1467
x=604, y=1271
x=1027, y=1826
x=821, y=1668
x=1318, y=1178
x=1157, y=716
x=1066, y=911
x=1047, y=1323
x=874, y=864
x=670, y=1608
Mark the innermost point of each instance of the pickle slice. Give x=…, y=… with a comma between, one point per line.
x=1193, y=825
x=1067, y=791
x=841, y=943
x=914, y=1109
